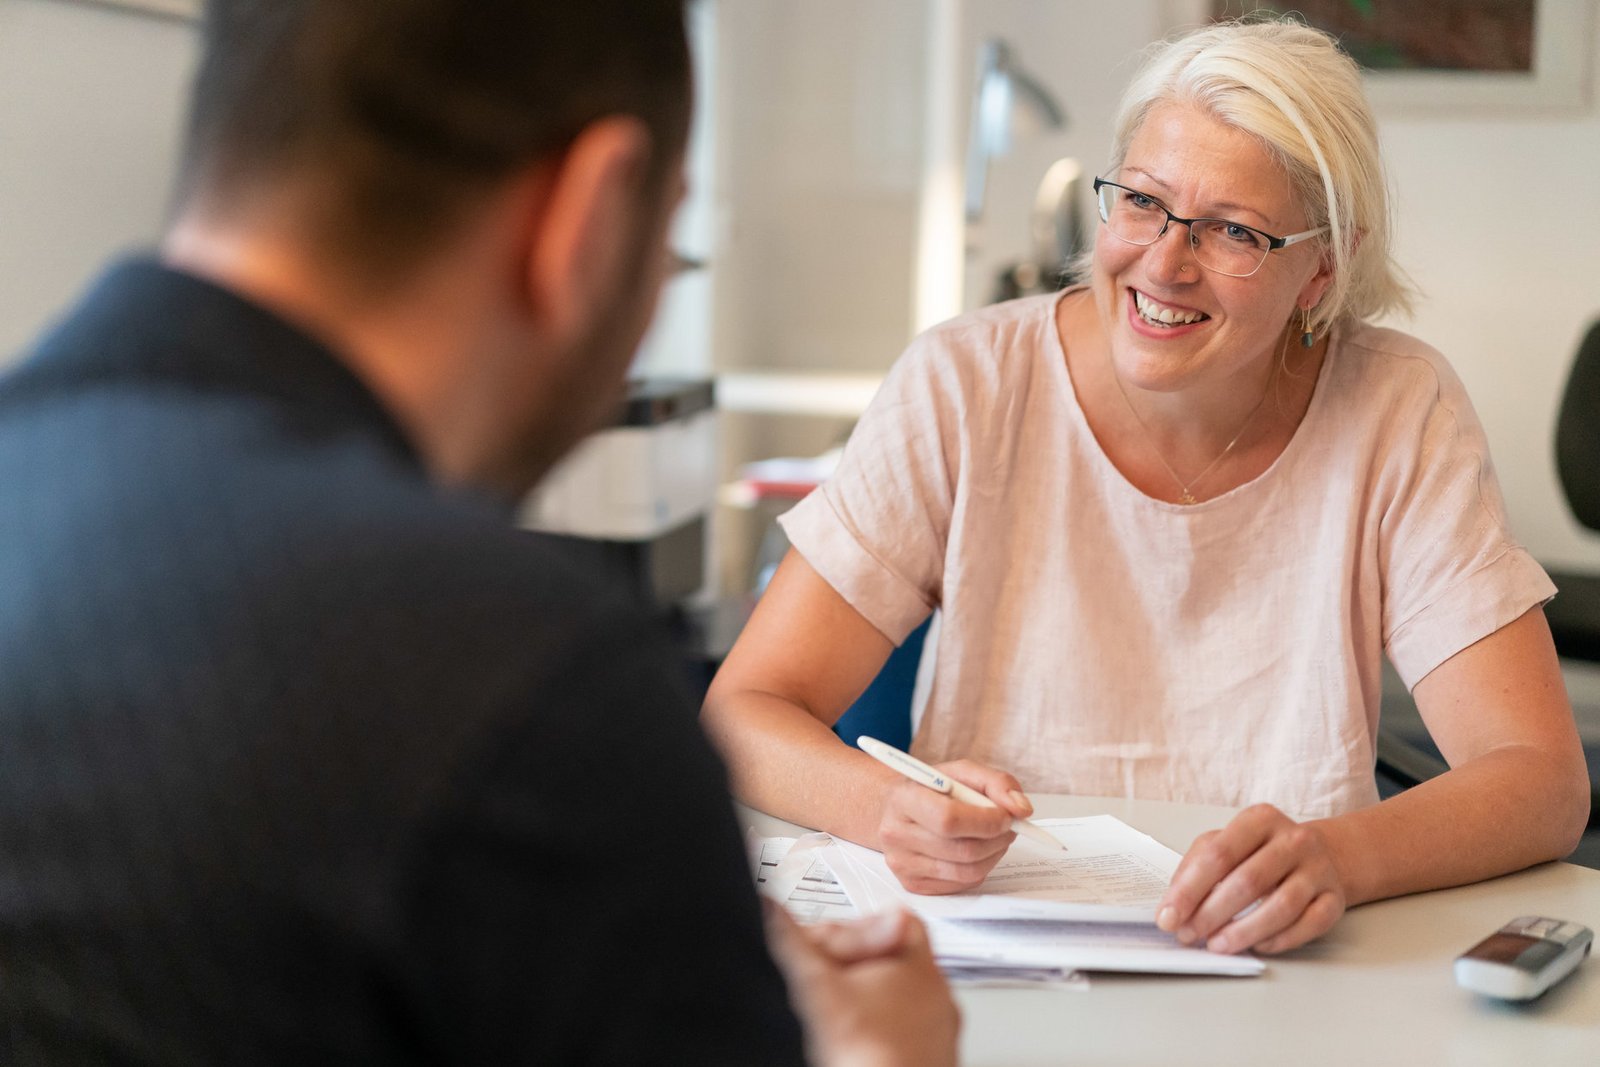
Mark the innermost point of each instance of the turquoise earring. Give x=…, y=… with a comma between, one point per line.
x=1307, y=339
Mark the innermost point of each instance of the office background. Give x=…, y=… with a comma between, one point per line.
x=823, y=142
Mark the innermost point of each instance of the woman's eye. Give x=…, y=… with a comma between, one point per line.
x=1142, y=202
x=1243, y=234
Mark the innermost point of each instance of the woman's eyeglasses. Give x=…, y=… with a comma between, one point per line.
x=1219, y=245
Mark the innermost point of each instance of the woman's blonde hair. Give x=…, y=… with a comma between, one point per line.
x=1292, y=88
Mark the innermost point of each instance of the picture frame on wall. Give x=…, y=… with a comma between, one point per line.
x=1446, y=57
x=176, y=9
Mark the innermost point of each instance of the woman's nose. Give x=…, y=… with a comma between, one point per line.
x=1168, y=255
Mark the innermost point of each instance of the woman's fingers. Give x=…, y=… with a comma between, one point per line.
x=1268, y=914
x=1262, y=881
x=1318, y=918
x=997, y=785
x=1210, y=859
x=936, y=844
x=1260, y=874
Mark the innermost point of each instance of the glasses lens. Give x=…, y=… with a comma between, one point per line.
x=1219, y=245
x=1227, y=247
x=1130, y=215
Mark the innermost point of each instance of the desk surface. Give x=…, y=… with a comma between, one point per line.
x=1377, y=989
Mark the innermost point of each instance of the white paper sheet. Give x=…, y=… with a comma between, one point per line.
x=970, y=975
x=793, y=872
x=1109, y=873
x=1092, y=908
x=1078, y=946
x=1036, y=919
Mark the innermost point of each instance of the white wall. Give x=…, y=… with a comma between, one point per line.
x=819, y=137
x=91, y=104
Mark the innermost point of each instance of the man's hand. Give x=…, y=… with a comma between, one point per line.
x=935, y=844
x=1265, y=858
x=868, y=993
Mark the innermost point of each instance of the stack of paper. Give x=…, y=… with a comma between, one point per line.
x=1091, y=907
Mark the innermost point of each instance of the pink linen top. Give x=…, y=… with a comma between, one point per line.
x=1095, y=641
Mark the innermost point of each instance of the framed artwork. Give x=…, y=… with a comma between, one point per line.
x=1445, y=56
x=180, y=9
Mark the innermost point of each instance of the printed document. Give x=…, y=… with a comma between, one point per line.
x=1110, y=872
x=1091, y=907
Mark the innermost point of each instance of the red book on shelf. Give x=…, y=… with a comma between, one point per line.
x=786, y=477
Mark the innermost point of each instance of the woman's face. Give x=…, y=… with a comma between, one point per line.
x=1197, y=167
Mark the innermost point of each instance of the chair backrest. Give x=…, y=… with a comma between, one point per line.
x=884, y=710
x=1578, y=433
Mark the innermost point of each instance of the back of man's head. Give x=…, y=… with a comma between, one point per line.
x=392, y=117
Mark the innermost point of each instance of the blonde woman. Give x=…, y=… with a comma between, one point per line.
x=1174, y=518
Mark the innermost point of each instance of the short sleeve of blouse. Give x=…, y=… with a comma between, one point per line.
x=1452, y=573
x=878, y=529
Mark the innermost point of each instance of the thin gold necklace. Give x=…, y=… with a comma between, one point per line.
x=1187, y=488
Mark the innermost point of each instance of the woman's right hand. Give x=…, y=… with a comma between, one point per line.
x=936, y=844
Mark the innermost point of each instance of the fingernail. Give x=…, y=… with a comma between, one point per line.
x=1021, y=801
x=1219, y=944
x=1185, y=934
x=1167, y=918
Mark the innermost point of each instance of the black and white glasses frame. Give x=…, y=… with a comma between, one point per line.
x=1265, y=242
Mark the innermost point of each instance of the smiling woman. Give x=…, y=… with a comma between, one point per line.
x=1175, y=518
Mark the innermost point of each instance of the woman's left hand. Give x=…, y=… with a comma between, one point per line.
x=1262, y=858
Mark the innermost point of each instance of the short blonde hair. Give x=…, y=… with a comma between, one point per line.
x=1292, y=88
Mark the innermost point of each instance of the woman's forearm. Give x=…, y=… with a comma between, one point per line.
x=1502, y=811
x=787, y=763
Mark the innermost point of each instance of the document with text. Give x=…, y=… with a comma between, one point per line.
x=1110, y=872
x=1091, y=907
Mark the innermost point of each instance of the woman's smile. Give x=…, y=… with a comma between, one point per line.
x=1159, y=318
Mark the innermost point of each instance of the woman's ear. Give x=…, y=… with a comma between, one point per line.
x=587, y=212
x=1316, y=286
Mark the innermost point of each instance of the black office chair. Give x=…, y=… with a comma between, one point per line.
x=1575, y=614
x=1403, y=764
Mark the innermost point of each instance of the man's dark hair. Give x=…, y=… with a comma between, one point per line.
x=401, y=112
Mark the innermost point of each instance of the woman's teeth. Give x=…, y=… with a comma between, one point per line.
x=1161, y=315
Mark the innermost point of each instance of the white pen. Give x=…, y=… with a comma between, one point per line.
x=923, y=774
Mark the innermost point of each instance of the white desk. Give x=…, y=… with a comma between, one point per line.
x=1378, y=989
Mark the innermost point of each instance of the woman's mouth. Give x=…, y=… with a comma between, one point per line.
x=1154, y=313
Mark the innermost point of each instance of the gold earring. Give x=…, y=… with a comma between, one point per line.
x=1307, y=339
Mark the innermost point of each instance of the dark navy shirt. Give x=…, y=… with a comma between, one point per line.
x=306, y=759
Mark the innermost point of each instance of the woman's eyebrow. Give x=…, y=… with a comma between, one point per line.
x=1238, y=209
x=1224, y=205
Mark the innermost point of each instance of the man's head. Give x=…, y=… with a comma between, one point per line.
x=531, y=147
x=405, y=112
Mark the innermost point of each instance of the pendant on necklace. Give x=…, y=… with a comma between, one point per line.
x=1187, y=498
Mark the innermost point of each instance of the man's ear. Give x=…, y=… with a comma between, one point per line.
x=591, y=209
